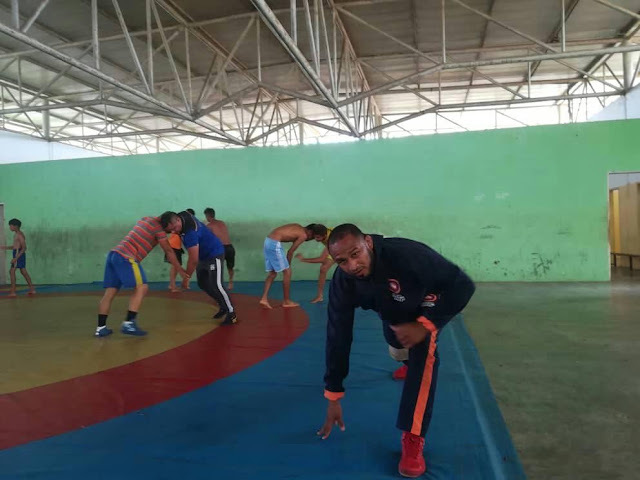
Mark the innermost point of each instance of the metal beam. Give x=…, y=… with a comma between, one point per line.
x=281, y=34
x=167, y=49
x=482, y=43
x=527, y=36
x=102, y=76
x=202, y=35
x=150, y=52
x=161, y=131
x=34, y=16
x=409, y=47
x=504, y=25
x=404, y=87
x=227, y=60
x=493, y=61
x=132, y=49
x=627, y=33
x=300, y=96
x=558, y=30
x=350, y=48
x=358, y=102
x=15, y=14
x=618, y=8
x=94, y=14
x=273, y=130
x=232, y=97
x=447, y=107
x=323, y=126
x=391, y=37
x=288, y=95
x=193, y=24
x=50, y=106
x=7, y=87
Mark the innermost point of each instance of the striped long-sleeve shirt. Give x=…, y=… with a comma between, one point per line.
x=141, y=239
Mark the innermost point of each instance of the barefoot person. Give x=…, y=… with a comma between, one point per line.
x=326, y=262
x=276, y=261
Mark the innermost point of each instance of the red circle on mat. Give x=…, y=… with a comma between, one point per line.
x=64, y=406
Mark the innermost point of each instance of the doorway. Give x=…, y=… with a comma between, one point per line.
x=624, y=223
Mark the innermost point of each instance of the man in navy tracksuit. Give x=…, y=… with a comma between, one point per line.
x=206, y=254
x=416, y=292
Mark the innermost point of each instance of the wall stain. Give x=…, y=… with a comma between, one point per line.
x=584, y=258
x=541, y=265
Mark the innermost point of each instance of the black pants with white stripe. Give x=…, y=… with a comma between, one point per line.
x=209, y=273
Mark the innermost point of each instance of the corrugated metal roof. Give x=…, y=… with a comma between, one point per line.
x=213, y=28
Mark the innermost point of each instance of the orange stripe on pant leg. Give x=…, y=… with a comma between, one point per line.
x=425, y=387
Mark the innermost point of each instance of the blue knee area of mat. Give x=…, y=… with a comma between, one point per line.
x=261, y=423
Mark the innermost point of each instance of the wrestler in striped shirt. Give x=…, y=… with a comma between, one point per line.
x=123, y=270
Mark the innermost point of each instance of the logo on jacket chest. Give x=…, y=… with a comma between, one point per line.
x=394, y=288
x=429, y=300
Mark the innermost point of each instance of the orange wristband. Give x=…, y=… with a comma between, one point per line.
x=333, y=395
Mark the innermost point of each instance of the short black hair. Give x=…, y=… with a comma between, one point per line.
x=191, y=211
x=342, y=231
x=15, y=222
x=210, y=212
x=317, y=229
x=166, y=217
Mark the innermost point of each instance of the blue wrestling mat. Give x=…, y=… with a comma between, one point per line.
x=261, y=423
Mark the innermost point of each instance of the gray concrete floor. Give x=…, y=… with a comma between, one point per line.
x=564, y=362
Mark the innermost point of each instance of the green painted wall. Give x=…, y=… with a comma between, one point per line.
x=507, y=205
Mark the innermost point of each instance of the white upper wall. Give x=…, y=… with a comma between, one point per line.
x=617, y=180
x=624, y=108
x=18, y=148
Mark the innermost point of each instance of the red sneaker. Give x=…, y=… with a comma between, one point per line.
x=401, y=373
x=412, y=461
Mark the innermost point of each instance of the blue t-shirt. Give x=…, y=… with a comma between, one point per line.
x=194, y=232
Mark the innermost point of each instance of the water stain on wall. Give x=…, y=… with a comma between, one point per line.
x=540, y=264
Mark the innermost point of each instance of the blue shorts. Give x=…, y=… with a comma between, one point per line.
x=275, y=260
x=120, y=272
x=22, y=261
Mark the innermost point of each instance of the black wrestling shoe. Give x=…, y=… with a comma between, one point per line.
x=221, y=313
x=231, y=319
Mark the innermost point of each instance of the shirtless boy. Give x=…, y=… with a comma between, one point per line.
x=276, y=261
x=19, y=260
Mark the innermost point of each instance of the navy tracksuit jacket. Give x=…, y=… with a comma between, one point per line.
x=408, y=280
